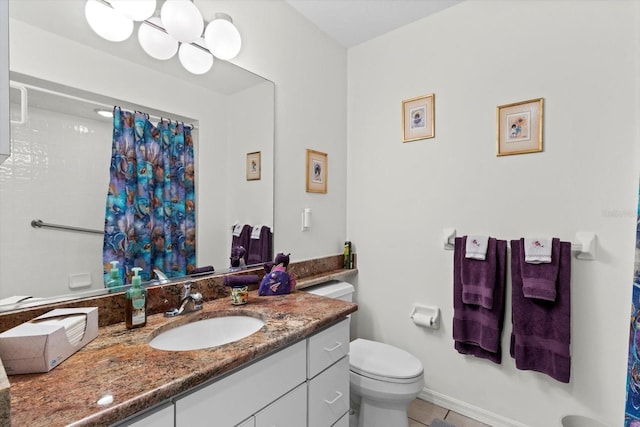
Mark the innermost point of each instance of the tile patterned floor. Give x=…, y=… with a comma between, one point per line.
x=422, y=413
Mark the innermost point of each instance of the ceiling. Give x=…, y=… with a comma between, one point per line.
x=351, y=22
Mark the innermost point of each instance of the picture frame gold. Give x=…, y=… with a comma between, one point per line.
x=317, y=171
x=418, y=118
x=519, y=127
x=254, y=166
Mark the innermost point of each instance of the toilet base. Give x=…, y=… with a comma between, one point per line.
x=380, y=404
x=380, y=415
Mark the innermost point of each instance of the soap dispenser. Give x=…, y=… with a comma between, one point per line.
x=135, y=309
x=114, y=282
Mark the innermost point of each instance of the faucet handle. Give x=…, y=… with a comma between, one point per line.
x=197, y=299
x=187, y=290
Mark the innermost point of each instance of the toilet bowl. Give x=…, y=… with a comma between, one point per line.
x=383, y=379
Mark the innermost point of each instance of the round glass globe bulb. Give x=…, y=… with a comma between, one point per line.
x=182, y=20
x=106, y=22
x=138, y=10
x=223, y=39
x=156, y=43
x=194, y=59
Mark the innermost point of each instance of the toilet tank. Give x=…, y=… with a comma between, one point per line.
x=333, y=289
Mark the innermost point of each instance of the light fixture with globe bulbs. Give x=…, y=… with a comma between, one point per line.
x=179, y=28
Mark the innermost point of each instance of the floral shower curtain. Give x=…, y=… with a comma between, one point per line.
x=150, y=211
x=632, y=408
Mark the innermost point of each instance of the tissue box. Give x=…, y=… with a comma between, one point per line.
x=44, y=342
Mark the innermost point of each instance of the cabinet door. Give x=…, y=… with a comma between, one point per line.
x=329, y=395
x=232, y=399
x=288, y=411
x=342, y=422
x=249, y=422
x=327, y=347
x=162, y=417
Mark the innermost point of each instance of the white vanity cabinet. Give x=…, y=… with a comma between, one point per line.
x=158, y=417
x=328, y=376
x=229, y=401
x=305, y=384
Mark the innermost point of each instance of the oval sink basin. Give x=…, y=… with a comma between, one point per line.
x=207, y=333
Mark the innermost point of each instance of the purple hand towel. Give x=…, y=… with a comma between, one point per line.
x=541, y=335
x=539, y=280
x=201, y=270
x=479, y=276
x=242, y=240
x=245, y=279
x=477, y=331
x=260, y=249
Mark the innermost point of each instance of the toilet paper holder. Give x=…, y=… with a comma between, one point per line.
x=425, y=316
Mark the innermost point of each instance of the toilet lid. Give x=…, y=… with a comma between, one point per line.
x=382, y=361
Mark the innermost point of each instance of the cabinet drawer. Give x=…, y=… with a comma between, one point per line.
x=159, y=417
x=249, y=422
x=228, y=401
x=329, y=395
x=327, y=347
x=342, y=422
x=288, y=411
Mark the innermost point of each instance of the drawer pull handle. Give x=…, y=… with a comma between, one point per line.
x=335, y=347
x=331, y=402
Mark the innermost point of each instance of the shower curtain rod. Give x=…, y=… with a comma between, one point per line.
x=89, y=101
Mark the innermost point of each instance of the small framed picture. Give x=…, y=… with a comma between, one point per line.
x=253, y=166
x=519, y=127
x=418, y=118
x=316, y=171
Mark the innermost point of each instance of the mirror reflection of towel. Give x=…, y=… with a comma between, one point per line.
x=260, y=249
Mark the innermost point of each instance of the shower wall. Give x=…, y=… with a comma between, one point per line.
x=58, y=163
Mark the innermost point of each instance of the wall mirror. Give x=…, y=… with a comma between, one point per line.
x=68, y=73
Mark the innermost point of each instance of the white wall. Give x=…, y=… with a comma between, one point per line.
x=251, y=127
x=309, y=72
x=581, y=58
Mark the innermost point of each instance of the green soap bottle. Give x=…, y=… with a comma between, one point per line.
x=114, y=282
x=135, y=309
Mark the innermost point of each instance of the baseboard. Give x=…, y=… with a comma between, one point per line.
x=463, y=408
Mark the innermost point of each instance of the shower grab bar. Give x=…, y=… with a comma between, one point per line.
x=38, y=223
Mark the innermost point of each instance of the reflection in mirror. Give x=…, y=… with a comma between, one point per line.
x=59, y=168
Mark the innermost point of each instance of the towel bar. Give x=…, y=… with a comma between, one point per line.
x=583, y=249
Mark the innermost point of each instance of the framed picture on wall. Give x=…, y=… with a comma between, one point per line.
x=317, y=169
x=418, y=118
x=519, y=127
x=253, y=166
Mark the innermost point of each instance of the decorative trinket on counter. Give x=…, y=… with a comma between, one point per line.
x=348, y=255
x=239, y=295
x=135, y=308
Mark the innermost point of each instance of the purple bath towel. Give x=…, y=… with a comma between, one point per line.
x=541, y=335
x=242, y=239
x=477, y=330
x=260, y=249
x=479, y=276
x=539, y=280
x=242, y=280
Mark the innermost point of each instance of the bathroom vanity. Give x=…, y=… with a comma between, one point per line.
x=292, y=370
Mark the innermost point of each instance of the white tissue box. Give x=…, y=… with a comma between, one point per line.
x=44, y=342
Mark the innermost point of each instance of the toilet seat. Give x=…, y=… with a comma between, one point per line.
x=383, y=362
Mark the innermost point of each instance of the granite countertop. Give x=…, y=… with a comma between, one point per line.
x=119, y=362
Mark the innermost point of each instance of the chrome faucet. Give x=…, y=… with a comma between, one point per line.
x=190, y=301
x=162, y=278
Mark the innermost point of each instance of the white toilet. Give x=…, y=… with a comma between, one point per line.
x=383, y=379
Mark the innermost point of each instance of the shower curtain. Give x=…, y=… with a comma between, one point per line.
x=632, y=408
x=150, y=210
